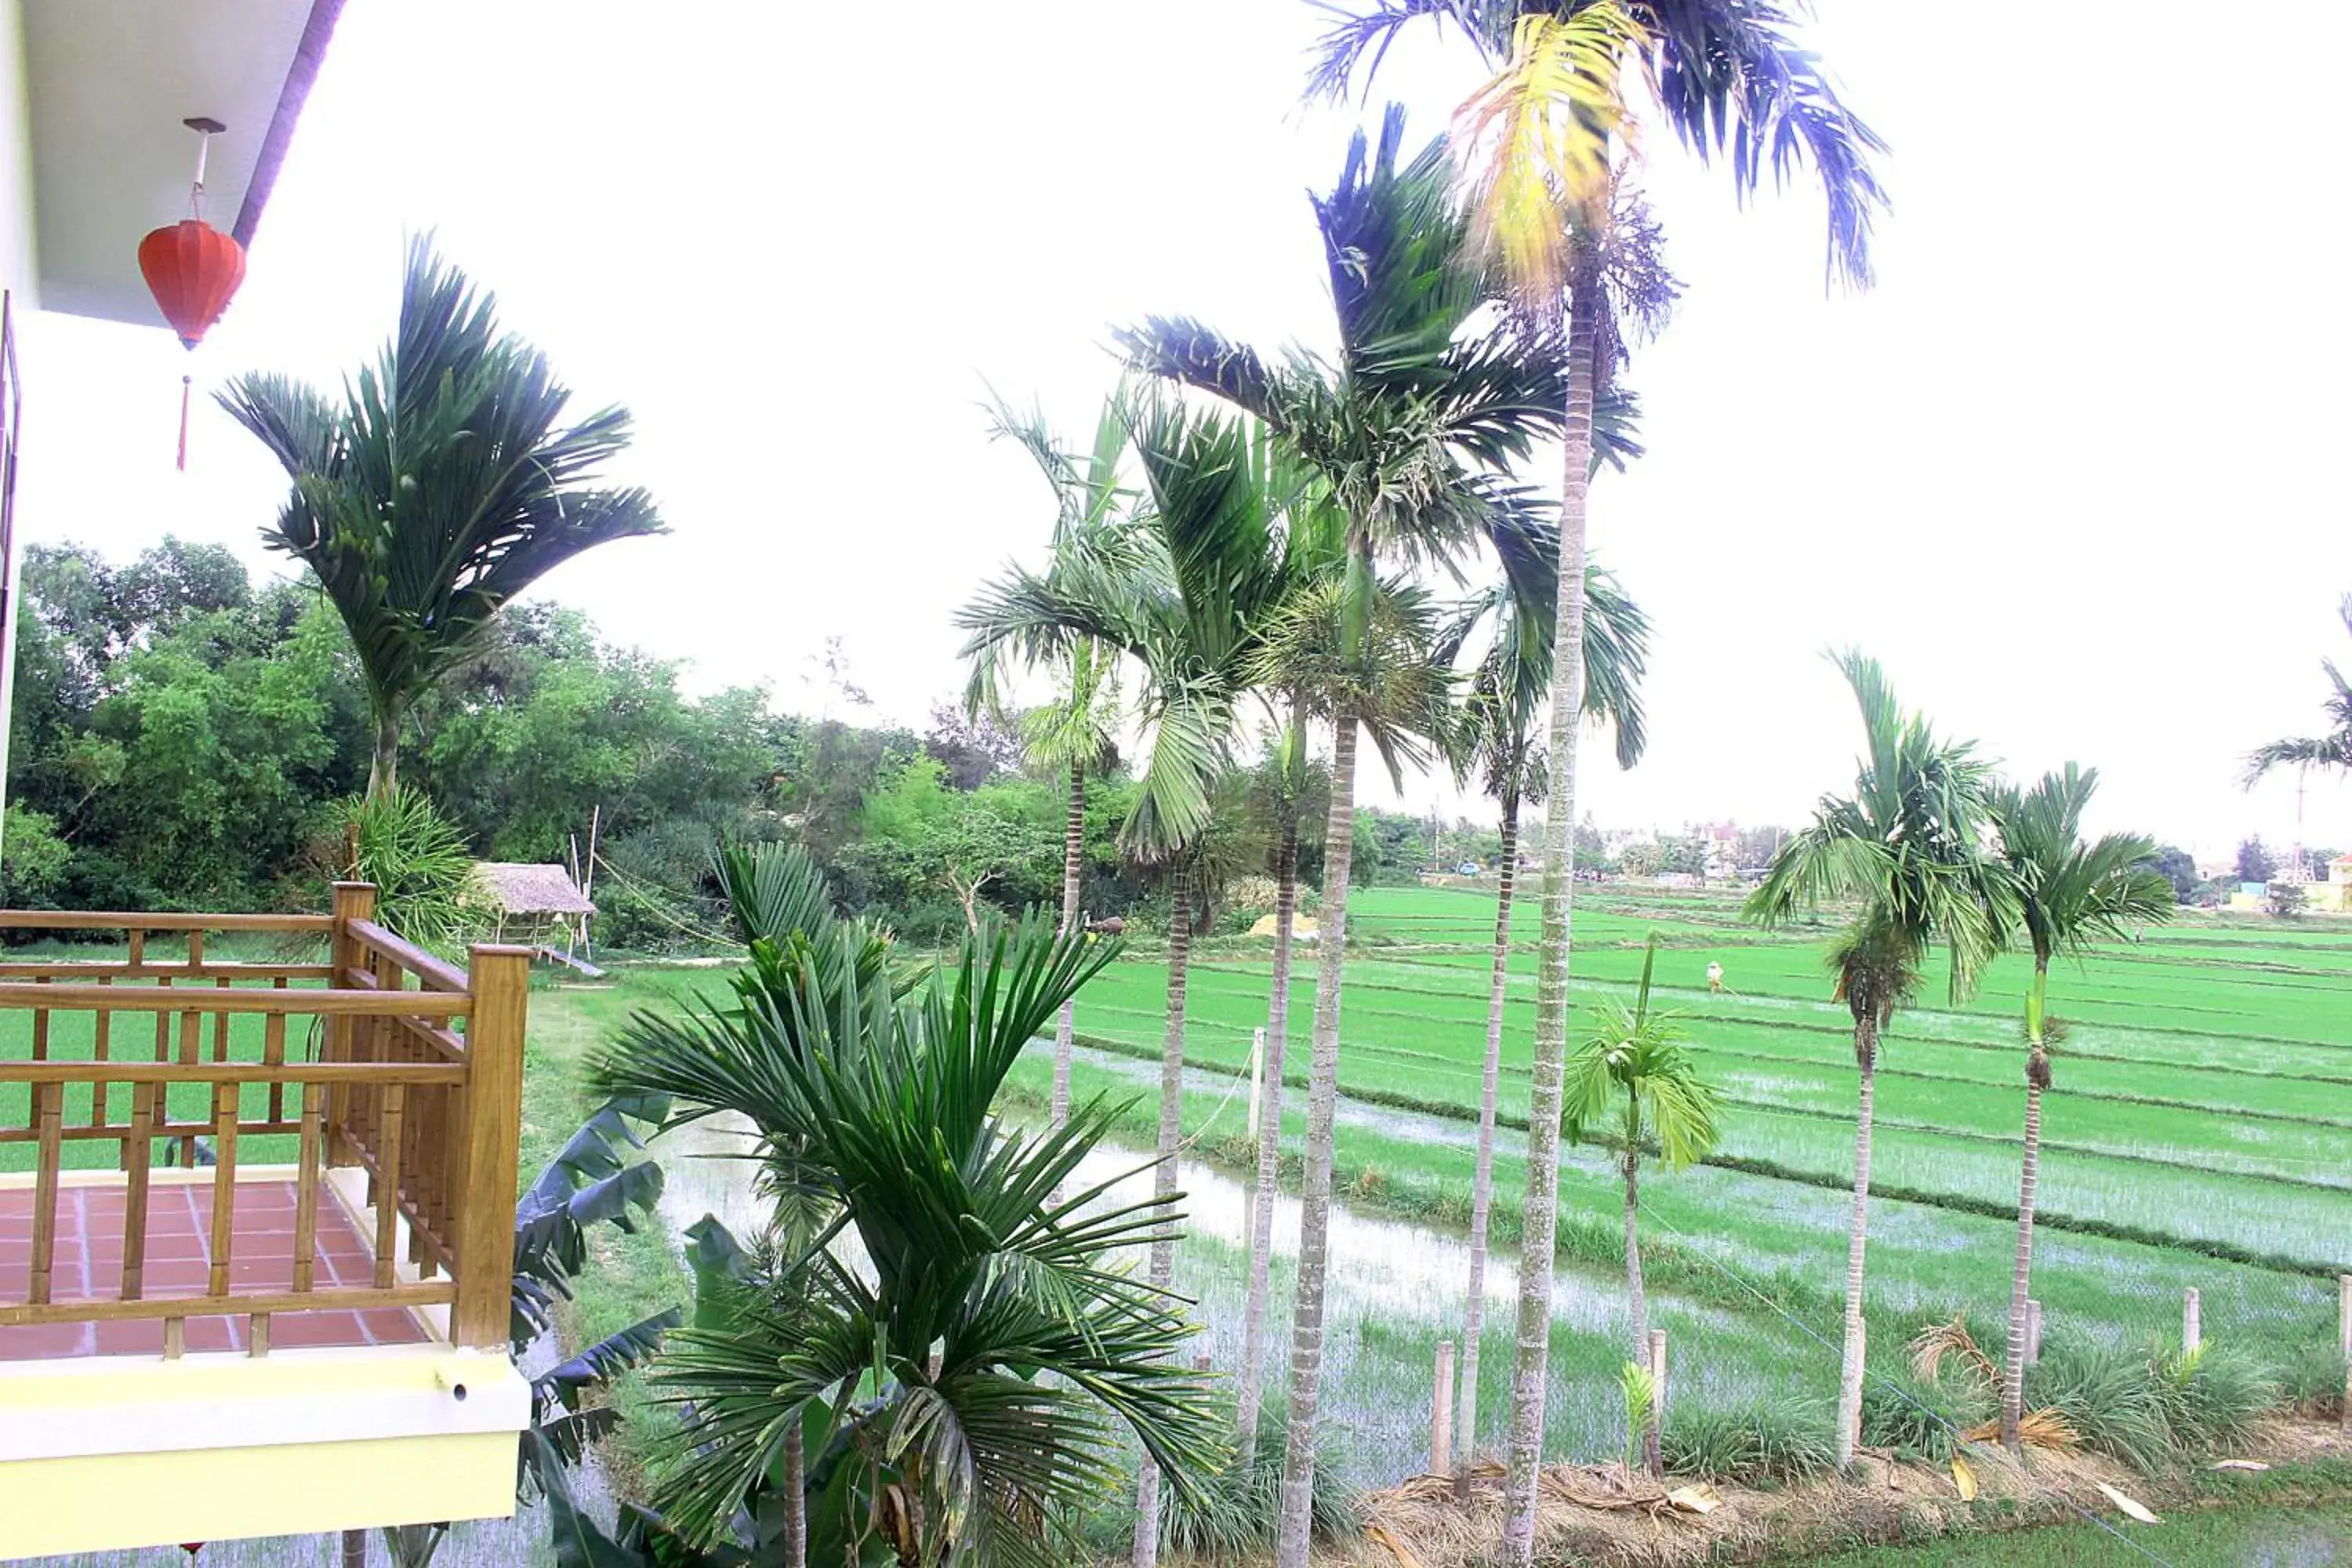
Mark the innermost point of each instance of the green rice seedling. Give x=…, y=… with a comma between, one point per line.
x=1755, y=1445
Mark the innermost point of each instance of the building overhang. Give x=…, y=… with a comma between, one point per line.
x=109, y=84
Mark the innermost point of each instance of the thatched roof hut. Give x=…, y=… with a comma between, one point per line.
x=515, y=888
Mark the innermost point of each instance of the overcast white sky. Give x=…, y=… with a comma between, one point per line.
x=2071, y=472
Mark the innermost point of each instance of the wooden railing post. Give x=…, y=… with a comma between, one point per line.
x=483, y=1177
x=354, y=901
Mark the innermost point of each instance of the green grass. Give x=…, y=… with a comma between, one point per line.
x=2247, y=1538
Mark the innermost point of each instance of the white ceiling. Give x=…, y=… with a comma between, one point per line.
x=110, y=82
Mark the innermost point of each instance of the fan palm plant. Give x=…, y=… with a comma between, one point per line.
x=1077, y=731
x=975, y=1374
x=2069, y=894
x=1494, y=739
x=1537, y=147
x=1905, y=851
x=1408, y=428
x=1634, y=1081
x=439, y=488
x=2333, y=749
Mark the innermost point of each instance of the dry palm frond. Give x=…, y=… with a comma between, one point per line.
x=1937, y=1341
x=2042, y=1429
x=1535, y=140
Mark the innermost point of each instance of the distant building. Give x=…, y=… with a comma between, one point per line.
x=2335, y=893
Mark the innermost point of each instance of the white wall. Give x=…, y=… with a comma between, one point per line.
x=18, y=276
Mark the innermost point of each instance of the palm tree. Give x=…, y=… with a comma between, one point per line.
x=1183, y=589
x=1537, y=170
x=1077, y=733
x=1634, y=1081
x=976, y=1381
x=1407, y=427
x=1494, y=739
x=2333, y=749
x=1904, y=850
x=2069, y=894
x=440, y=488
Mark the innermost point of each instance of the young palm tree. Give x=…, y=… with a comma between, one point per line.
x=1633, y=1080
x=1425, y=403
x=439, y=488
x=1185, y=589
x=2069, y=894
x=1075, y=733
x=2333, y=749
x=1905, y=851
x=1494, y=738
x=1536, y=153
x=977, y=1373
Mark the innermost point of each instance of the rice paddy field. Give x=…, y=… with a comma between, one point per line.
x=2200, y=1134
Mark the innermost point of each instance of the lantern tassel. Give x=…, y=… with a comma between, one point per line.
x=186, y=383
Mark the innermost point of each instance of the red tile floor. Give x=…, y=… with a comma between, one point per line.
x=88, y=1264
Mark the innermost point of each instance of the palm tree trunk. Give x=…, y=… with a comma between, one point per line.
x=1637, y=1300
x=384, y=772
x=1163, y=1174
x=1246, y=1397
x=795, y=1498
x=1850, y=1373
x=2021, y=1280
x=1073, y=844
x=1539, y=1225
x=1315, y=1184
x=1481, y=1184
x=355, y=1541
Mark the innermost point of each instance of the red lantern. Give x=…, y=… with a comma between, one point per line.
x=193, y=269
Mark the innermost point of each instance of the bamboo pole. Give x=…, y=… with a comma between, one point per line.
x=1440, y=1430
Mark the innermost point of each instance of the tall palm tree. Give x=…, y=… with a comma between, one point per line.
x=1185, y=589
x=1425, y=402
x=1905, y=851
x=440, y=487
x=982, y=1450
x=1495, y=739
x=2069, y=894
x=1634, y=1080
x=1077, y=731
x=2331, y=749
x=1538, y=169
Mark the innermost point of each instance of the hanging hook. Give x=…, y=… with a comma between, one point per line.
x=205, y=127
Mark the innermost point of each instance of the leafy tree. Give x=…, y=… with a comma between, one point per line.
x=1542, y=178
x=2286, y=900
x=2256, y=862
x=1407, y=428
x=876, y=1103
x=2176, y=866
x=2069, y=894
x=1902, y=851
x=2331, y=750
x=441, y=488
x=1633, y=1081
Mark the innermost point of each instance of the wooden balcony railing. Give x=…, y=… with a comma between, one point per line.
x=382, y=1058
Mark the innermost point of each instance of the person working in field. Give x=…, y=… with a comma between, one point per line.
x=1713, y=978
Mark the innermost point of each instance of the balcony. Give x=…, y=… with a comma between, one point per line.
x=257, y=1219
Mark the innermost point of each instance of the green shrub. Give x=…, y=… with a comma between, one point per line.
x=1920, y=1418
x=2312, y=1380
x=419, y=862
x=1236, y=1517
x=2212, y=1399
x=2108, y=1395
x=1754, y=1444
